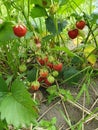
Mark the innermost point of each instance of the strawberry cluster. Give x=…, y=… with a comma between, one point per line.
x=48, y=70
x=75, y=32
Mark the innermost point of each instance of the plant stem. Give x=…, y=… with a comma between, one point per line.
x=28, y=8
x=90, y=29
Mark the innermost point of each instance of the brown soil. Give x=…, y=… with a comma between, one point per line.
x=73, y=111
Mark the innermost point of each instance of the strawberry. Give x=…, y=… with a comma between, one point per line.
x=73, y=33
x=54, y=8
x=40, y=79
x=80, y=24
x=43, y=73
x=20, y=30
x=47, y=82
x=43, y=60
x=35, y=85
x=50, y=79
x=50, y=62
x=55, y=73
x=22, y=68
x=50, y=65
x=58, y=66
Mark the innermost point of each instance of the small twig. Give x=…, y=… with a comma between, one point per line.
x=94, y=104
x=94, y=90
x=83, y=108
x=31, y=126
x=83, y=80
x=83, y=111
x=61, y=127
x=92, y=117
x=48, y=110
x=96, y=129
x=65, y=110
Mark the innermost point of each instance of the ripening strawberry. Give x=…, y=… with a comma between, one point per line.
x=43, y=73
x=20, y=30
x=73, y=33
x=35, y=85
x=58, y=66
x=80, y=24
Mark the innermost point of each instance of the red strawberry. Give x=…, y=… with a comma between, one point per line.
x=80, y=24
x=50, y=65
x=43, y=61
x=73, y=33
x=20, y=30
x=58, y=66
x=47, y=82
x=43, y=73
x=35, y=85
x=40, y=79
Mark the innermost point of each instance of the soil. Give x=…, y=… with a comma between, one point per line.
x=73, y=111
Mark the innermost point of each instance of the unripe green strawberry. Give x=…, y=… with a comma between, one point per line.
x=55, y=73
x=51, y=58
x=35, y=85
x=51, y=79
x=22, y=68
x=53, y=8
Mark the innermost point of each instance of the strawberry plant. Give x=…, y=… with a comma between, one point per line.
x=45, y=45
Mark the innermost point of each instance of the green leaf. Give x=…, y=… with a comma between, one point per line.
x=67, y=120
x=17, y=107
x=68, y=73
x=47, y=38
x=38, y=11
x=9, y=79
x=76, y=60
x=62, y=2
x=52, y=90
x=42, y=3
x=6, y=32
x=94, y=18
x=53, y=120
x=61, y=25
x=3, y=125
x=66, y=93
x=31, y=75
x=81, y=91
x=3, y=88
x=67, y=6
x=70, y=53
x=20, y=93
x=50, y=25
